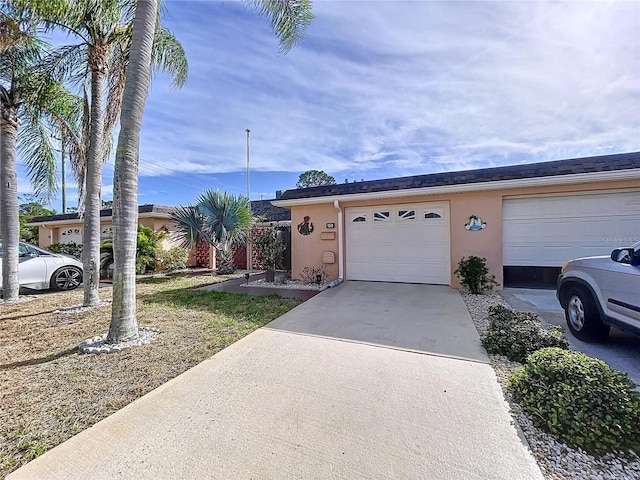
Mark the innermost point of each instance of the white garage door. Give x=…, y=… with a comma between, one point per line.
x=547, y=231
x=399, y=243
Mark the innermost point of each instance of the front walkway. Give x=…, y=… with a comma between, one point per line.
x=344, y=386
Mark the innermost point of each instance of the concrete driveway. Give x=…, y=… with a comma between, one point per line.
x=366, y=380
x=620, y=351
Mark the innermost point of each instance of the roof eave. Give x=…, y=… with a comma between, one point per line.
x=592, y=177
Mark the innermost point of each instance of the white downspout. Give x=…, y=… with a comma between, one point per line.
x=336, y=204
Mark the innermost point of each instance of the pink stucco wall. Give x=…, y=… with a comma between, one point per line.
x=307, y=249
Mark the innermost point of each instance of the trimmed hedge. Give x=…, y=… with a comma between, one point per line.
x=579, y=400
x=516, y=335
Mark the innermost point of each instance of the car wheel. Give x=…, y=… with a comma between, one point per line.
x=583, y=318
x=66, y=278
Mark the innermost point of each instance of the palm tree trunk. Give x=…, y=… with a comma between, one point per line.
x=9, y=220
x=92, y=204
x=125, y=189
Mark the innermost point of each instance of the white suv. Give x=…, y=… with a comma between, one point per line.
x=597, y=292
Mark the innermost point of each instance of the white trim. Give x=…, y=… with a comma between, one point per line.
x=336, y=204
x=593, y=177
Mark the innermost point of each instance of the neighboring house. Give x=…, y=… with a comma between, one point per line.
x=526, y=220
x=68, y=228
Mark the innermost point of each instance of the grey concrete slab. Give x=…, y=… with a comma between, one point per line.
x=422, y=318
x=620, y=351
x=290, y=405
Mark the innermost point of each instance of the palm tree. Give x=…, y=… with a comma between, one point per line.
x=39, y=104
x=220, y=219
x=104, y=28
x=289, y=19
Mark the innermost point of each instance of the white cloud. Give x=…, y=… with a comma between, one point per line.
x=392, y=88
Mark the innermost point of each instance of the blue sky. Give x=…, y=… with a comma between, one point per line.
x=387, y=88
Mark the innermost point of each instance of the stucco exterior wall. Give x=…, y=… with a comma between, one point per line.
x=307, y=249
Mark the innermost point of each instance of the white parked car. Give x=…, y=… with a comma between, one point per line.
x=39, y=269
x=597, y=292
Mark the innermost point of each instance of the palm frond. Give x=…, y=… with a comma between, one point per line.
x=67, y=63
x=36, y=148
x=169, y=56
x=227, y=218
x=189, y=226
x=289, y=19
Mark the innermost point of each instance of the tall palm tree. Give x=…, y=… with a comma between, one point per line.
x=39, y=104
x=104, y=30
x=124, y=324
x=289, y=19
x=220, y=219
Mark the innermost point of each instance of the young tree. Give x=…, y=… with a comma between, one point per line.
x=220, y=219
x=314, y=178
x=29, y=208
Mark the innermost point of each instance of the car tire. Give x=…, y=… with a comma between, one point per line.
x=66, y=278
x=583, y=318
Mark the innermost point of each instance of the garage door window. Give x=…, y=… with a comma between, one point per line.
x=359, y=219
x=380, y=216
x=428, y=215
x=406, y=215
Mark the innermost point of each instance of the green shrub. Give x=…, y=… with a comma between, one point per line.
x=269, y=248
x=579, y=400
x=173, y=259
x=474, y=275
x=73, y=249
x=518, y=334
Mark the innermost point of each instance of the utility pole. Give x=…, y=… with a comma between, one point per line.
x=249, y=197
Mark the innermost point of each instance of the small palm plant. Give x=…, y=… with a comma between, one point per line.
x=148, y=243
x=219, y=219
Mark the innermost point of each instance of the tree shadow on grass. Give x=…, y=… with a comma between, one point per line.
x=40, y=360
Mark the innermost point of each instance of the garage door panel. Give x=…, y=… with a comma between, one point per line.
x=408, y=243
x=547, y=231
x=383, y=235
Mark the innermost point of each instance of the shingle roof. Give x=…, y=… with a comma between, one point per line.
x=270, y=213
x=106, y=212
x=261, y=208
x=604, y=163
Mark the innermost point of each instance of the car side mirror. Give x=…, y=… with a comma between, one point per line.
x=623, y=255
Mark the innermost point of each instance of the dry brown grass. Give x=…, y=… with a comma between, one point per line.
x=49, y=391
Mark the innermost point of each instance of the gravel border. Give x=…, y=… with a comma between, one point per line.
x=556, y=460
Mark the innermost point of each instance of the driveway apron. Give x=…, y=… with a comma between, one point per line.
x=363, y=381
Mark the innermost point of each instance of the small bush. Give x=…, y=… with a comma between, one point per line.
x=579, y=400
x=518, y=334
x=269, y=248
x=73, y=249
x=173, y=259
x=474, y=275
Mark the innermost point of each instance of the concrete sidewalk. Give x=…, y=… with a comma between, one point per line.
x=292, y=405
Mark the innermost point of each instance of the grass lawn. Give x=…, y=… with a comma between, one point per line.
x=49, y=391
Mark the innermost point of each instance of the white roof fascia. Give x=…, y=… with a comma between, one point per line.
x=592, y=177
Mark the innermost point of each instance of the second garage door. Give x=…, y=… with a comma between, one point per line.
x=399, y=243
x=549, y=230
